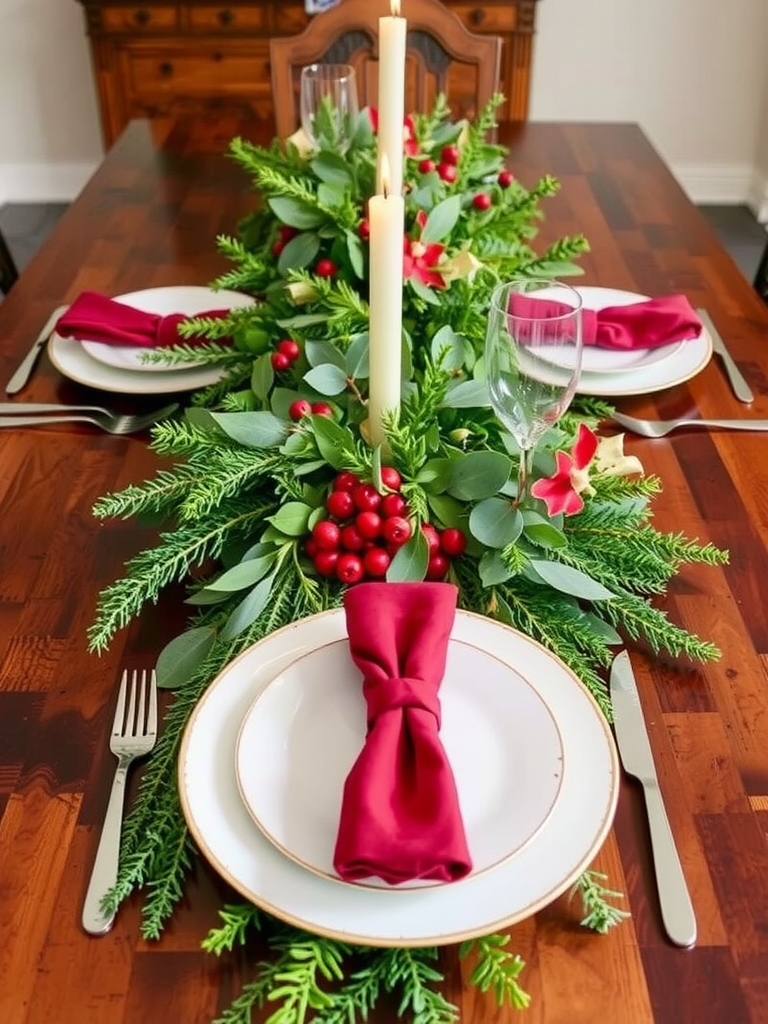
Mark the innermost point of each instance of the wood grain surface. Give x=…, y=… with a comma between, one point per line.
x=149, y=218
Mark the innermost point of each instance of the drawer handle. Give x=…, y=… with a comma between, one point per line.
x=141, y=17
x=477, y=17
x=166, y=68
x=226, y=17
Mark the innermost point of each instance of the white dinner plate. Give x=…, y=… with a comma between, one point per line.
x=119, y=368
x=306, y=728
x=654, y=369
x=545, y=867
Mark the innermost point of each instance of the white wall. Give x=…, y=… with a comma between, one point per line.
x=692, y=73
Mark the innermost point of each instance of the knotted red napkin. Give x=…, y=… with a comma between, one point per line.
x=94, y=317
x=646, y=324
x=400, y=816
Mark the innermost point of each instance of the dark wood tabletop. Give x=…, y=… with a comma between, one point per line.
x=149, y=217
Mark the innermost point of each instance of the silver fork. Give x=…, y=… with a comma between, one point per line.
x=111, y=422
x=133, y=735
x=659, y=428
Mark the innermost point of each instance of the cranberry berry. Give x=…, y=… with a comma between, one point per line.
x=392, y=505
x=298, y=409
x=396, y=530
x=391, y=478
x=376, y=562
x=453, y=542
x=280, y=362
x=349, y=568
x=340, y=504
x=326, y=535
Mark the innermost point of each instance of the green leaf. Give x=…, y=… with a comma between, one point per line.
x=299, y=252
x=333, y=441
x=495, y=522
x=435, y=475
x=424, y=291
x=330, y=196
x=262, y=376
x=410, y=562
x=320, y=350
x=291, y=518
x=355, y=252
x=492, y=569
x=357, y=364
x=542, y=531
x=450, y=346
x=249, y=609
x=603, y=629
x=467, y=394
x=331, y=168
x=570, y=581
x=245, y=574
x=295, y=213
x=252, y=429
x=478, y=475
x=327, y=379
x=179, y=660
x=448, y=511
x=442, y=219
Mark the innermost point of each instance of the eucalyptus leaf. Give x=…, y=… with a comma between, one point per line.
x=299, y=252
x=478, y=475
x=435, y=475
x=333, y=441
x=442, y=220
x=327, y=379
x=603, y=629
x=249, y=609
x=542, y=531
x=245, y=574
x=357, y=360
x=411, y=560
x=495, y=522
x=355, y=253
x=570, y=581
x=492, y=569
x=180, y=659
x=448, y=346
x=330, y=196
x=424, y=291
x=331, y=168
x=252, y=429
x=295, y=213
x=467, y=394
x=448, y=511
x=291, y=518
x=320, y=350
x=262, y=376
x=204, y=597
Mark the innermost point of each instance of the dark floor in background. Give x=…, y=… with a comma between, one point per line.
x=27, y=225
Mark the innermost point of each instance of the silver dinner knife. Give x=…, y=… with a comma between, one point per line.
x=21, y=376
x=635, y=751
x=740, y=387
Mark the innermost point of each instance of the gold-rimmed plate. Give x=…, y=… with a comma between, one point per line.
x=545, y=867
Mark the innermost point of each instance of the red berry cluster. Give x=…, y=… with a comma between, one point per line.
x=286, y=233
x=366, y=528
x=301, y=407
x=285, y=355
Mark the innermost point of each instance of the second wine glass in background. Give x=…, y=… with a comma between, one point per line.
x=329, y=105
x=533, y=353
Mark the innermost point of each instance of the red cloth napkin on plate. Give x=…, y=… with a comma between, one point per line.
x=400, y=816
x=647, y=324
x=94, y=317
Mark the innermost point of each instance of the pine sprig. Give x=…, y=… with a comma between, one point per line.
x=599, y=913
x=498, y=969
x=237, y=919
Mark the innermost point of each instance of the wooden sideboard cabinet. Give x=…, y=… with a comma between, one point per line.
x=155, y=58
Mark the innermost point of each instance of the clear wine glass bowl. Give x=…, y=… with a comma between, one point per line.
x=533, y=350
x=329, y=105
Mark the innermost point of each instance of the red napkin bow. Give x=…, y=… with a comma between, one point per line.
x=400, y=816
x=94, y=317
x=646, y=324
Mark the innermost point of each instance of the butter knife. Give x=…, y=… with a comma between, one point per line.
x=21, y=376
x=740, y=387
x=635, y=751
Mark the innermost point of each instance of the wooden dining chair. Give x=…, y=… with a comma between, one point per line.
x=761, y=277
x=8, y=271
x=442, y=56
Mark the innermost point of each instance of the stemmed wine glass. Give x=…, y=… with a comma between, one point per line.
x=329, y=105
x=533, y=349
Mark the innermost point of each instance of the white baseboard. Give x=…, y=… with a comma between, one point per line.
x=758, y=196
x=43, y=183
x=726, y=184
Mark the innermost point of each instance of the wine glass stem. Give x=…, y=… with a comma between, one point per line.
x=524, y=470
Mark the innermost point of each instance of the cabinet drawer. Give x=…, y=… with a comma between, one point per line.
x=196, y=70
x=486, y=19
x=133, y=18
x=290, y=18
x=221, y=18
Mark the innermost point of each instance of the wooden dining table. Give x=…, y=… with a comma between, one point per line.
x=149, y=217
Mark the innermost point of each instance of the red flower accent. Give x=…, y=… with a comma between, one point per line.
x=420, y=257
x=373, y=114
x=562, y=491
x=410, y=142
